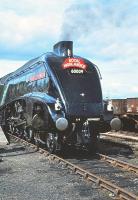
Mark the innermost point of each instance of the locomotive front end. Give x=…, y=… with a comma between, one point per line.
x=79, y=83
x=80, y=95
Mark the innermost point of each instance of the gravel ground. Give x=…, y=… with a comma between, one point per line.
x=119, y=177
x=27, y=175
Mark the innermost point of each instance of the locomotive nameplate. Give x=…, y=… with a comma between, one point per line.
x=76, y=63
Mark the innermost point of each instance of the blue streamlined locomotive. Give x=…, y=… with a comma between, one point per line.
x=55, y=99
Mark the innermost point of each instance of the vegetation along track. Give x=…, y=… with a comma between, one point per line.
x=121, y=183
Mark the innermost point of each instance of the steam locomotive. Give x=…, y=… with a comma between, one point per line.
x=55, y=100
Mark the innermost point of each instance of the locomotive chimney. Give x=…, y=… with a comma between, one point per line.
x=64, y=48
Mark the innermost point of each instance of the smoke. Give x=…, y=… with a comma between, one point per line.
x=102, y=29
x=79, y=20
x=92, y=16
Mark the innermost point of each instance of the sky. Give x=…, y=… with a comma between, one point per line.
x=103, y=31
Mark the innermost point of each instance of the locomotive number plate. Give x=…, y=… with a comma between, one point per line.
x=76, y=71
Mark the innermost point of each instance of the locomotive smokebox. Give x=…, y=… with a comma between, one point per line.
x=64, y=48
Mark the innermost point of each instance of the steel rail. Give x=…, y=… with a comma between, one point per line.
x=120, y=136
x=119, y=163
x=118, y=192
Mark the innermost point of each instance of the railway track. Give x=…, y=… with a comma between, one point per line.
x=120, y=136
x=88, y=169
x=124, y=165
